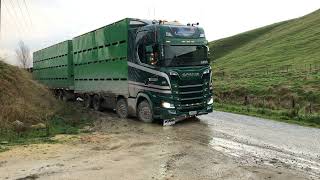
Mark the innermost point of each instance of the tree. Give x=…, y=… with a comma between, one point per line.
x=23, y=55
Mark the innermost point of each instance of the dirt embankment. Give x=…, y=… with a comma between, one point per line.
x=22, y=99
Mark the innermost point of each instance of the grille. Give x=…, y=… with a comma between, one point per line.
x=190, y=95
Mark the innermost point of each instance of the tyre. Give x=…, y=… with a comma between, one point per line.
x=64, y=96
x=60, y=95
x=87, y=102
x=122, y=108
x=145, y=112
x=96, y=102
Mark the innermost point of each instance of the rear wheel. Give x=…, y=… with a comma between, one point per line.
x=145, y=112
x=122, y=108
x=64, y=96
x=96, y=103
x=87, y=102
x=60, y=94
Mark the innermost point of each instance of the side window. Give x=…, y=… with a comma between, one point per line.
x=146, y=48
x=142, y=52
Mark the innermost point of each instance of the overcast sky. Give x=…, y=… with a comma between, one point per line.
x=52, y=21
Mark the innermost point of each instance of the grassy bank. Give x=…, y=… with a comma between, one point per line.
x=30, y=114
x=69, y=120
x=278, y=115
x=22, y=99
x=275, y=68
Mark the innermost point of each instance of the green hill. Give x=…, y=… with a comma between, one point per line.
x=275, y=67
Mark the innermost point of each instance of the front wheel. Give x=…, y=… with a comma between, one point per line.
x=145, y=112
x=122, y=108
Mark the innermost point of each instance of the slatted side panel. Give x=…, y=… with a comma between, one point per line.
x=52, y=66
x=100, y=59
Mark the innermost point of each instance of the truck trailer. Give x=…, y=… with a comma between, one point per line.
x=142, y=68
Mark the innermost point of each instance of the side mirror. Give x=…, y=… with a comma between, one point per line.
x=150, y=55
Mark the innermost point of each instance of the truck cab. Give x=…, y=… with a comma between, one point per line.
x=169, y=73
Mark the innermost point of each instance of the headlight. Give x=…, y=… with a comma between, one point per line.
x=167, y=105
x=207, y=71
x=210, y=101
x=173, y=73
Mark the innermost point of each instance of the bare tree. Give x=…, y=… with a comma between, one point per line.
x=23, y=55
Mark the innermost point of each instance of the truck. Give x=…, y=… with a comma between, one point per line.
x=153, y=70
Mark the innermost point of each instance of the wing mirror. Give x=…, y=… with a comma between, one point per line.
x=150, y=55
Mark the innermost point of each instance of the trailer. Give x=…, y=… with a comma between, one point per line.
x=53, y=67
x=149, y=69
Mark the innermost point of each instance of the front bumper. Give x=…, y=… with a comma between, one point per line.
x=174, y=114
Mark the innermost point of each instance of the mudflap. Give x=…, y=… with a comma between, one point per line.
x=168, y=122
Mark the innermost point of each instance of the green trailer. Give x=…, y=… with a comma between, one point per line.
x=100, y=60
x=52, y=66
x=149, y=69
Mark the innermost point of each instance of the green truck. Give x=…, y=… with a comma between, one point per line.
x=147, y=69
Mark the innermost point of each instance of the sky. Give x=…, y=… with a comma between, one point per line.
x=41, y=23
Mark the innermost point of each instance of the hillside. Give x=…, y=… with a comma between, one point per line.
x=275, y=67
x=22, y=99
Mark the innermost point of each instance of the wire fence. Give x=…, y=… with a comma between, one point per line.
x=289, y=103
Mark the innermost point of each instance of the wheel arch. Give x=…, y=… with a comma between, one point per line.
x=143, y=96
x=121, y=97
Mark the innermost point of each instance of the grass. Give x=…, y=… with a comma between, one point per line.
x=22, y=99
x=71, y=123
x=290, y=42
x=278, y=64
x=28, y=102
x=279, y=115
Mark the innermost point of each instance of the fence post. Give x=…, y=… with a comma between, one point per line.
x=310, y=69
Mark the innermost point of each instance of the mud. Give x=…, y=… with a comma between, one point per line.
x=218, y=146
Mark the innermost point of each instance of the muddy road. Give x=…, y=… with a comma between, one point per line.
x=216, y=146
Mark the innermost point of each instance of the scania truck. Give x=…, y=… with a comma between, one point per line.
x=147, y=69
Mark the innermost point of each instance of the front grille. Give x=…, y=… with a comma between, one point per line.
x=191, y=95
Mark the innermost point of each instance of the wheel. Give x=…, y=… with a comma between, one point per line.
x=87, y=102
x=122, y=108
x=145, y=112
x=96, y=102
x=64, y=96
x=60, y=95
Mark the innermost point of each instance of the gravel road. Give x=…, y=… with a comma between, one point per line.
x=259, y=141
x=216, y=146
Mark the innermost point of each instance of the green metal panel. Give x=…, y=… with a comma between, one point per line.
x=93, y=62
x=53, y=65
x=100, y=59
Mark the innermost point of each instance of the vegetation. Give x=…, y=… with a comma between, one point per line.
x=274, y=68
x=29, y=113
x=23, y=55
x=23, y=99
x=56, y=125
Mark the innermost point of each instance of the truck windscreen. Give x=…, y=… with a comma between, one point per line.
x=185, y=55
